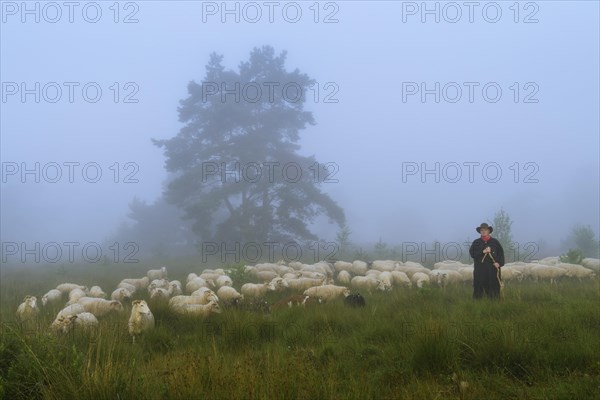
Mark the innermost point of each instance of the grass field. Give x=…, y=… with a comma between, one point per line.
x=541, y=342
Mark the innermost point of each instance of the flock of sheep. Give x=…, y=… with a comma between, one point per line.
x=320, y=282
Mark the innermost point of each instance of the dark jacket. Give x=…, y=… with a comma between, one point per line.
x=476, y=252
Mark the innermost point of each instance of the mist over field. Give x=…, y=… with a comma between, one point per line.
x=427, y=122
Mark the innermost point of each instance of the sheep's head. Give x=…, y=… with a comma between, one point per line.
x=346, y=292
x=141, y=307
x=116, y=305
x=215, y=307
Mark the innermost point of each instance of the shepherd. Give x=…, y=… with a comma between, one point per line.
x=488, y=255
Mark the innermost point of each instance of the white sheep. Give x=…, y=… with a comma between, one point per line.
x=53, y=296
x=197, y=310
x=157, y=274
x=121, y=294
x=131, y=288
x=141, y=319
x=65, y=288
x=96, y=291
x=75, y=295
x=359, y=267
x=223, y=280
x=420, y=279
x=387, y=278
x=28, y=309
x=547, y=272
x=175, y=288
x=139, y=283
x=344, y=277
x=444, y=277
x=591, y=263
x=158, y=283
x=466, y=273
x=278, y=284
x=383, y=265
x=191, y=276
x=510, y=274
x=401, y=278
x=265, y=276
x=577, y=271
x=229, y=295
x=177, y=300
x=196, y=284
x=83, y=322
x=256, y=290
x=449, y=264
x=343, y=266
x=367, y=283
x=68, y=311
x=327, y=292
x=100, y=307
x=160, y=294
x=301, y=284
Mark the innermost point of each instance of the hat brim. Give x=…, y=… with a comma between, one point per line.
x=478, y=229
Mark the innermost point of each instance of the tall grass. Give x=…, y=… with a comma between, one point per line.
x=541, y=341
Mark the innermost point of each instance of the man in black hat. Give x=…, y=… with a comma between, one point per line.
x=489, y=258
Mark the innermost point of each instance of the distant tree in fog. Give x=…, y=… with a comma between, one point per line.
x=235, y=122
x=584, y=239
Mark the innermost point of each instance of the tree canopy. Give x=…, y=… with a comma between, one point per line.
x=239, y=175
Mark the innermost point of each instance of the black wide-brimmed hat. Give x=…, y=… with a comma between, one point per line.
x=484, y=226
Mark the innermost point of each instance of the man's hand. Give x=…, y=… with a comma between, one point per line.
x=496, y=265
x=487, y=250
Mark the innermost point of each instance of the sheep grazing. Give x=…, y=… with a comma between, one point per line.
x=343, y=266
x=344, y=277
x=265, y=276
x=196, y=310
x=327, y=292
x=205, y=294
x=83, y=322
x=68, y=311
x=28, y=309
x=196, y=284
x=256, y=290
x=354, y=300
x=297, y=300
x=420, y=279
x=444, y=277
x=158, y=284
x=122, y=295
x=367, y=283
x=359, y=267
x=75, y=295
x=96, y=291
x=100, y=307
x=301, y=284
x=401, y=279
x=203, y=298
x=383, y=265
x=140, y=284
x=577, y=271
x=65, y=288
x=547, y=272
x=124, y=285
x=53, y=297
x=141, y=319
x=279, y=284
x=229, y=295
x=223, y=280
x=592, y=263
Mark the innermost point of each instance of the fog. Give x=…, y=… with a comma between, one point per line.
x=539, y=138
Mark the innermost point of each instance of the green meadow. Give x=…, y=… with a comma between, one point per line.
x=541, y=341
